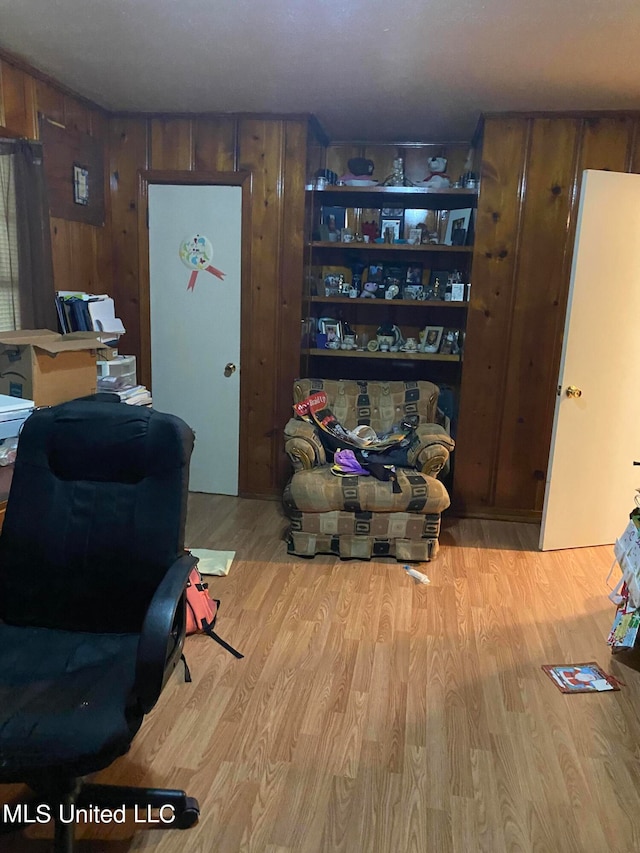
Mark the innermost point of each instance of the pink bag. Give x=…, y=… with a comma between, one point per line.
x=202, y=611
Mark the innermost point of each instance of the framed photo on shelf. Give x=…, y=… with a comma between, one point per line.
x=451, y=342
x=413, y=291
x=394, y=225
x=332, y=221
x=414, y=274
x=375, y=273
x=333, y=331
x=432, y=338
x=457, y=227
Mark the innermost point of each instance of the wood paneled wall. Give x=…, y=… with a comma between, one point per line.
x=531, y=172
x=274, y=151
x=81, y=252
x=530, y=182
x=105, y=258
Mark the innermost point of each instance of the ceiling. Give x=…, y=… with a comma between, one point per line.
x=409, y=70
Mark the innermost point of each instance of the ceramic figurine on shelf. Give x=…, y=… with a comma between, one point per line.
x=396, y=178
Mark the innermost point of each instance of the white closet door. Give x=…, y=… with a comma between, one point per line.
x=195, y=247
x=591, y=479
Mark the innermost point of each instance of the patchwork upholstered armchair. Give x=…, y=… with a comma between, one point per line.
x=359, y=515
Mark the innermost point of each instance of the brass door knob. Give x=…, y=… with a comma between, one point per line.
x=572, y=391
x=229, y=369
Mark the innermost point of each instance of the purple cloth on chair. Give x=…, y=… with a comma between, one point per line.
x=345, y=463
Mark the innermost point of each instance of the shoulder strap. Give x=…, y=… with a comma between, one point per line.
x=187, y=671
x=207, y=627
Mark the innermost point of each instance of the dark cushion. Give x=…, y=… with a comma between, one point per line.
x=65, y=700
x=95, y=517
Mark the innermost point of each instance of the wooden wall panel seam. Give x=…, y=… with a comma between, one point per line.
x=279, y=290
x=567, y=259
x=522, y=186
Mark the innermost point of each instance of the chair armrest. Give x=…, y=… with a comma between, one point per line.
x=157, y=656
x=302, y=445
x=430, y=449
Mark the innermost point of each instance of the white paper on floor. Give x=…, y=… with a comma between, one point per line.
x=213, y=562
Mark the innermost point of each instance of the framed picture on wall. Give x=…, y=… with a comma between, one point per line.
x=80, y=184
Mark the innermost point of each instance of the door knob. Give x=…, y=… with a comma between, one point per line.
x=229, y=369
x=572, y=391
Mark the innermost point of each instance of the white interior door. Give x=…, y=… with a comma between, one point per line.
x=195, y=243
x=591, y=479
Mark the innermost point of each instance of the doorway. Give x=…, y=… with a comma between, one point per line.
x=192, y=315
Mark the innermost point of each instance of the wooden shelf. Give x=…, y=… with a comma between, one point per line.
x=389, y=303
x=456, y=198
x=375, y=248
x=405, y=356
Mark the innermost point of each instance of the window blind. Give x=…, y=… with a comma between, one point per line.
x=9, y=293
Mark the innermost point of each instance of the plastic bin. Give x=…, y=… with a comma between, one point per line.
x=121, y=367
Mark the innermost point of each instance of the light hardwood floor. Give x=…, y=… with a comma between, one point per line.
x=376, y=715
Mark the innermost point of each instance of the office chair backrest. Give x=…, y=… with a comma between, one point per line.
x=95, y=516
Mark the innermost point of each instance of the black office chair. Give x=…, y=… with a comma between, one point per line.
x=92, y=600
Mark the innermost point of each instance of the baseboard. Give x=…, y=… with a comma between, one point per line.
x=255, y=496
x=528, y=516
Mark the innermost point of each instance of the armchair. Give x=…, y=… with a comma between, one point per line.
x=92, y=601
x=360, y=516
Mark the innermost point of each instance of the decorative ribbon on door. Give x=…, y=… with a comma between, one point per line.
x=196, y=253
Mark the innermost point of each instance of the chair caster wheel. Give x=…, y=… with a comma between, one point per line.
x=189, y=817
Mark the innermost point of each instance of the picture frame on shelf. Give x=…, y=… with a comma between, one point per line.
x=457, y=227
x=376, y=271
x=392, y=225
x=414, y=292
x=458, y=291
x=332, y=221
x=451, y=342
x=333, y=331
x=414, y=273
x=323, y=322
x=432, y=338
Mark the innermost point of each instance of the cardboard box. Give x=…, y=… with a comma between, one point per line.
x=48, y=368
